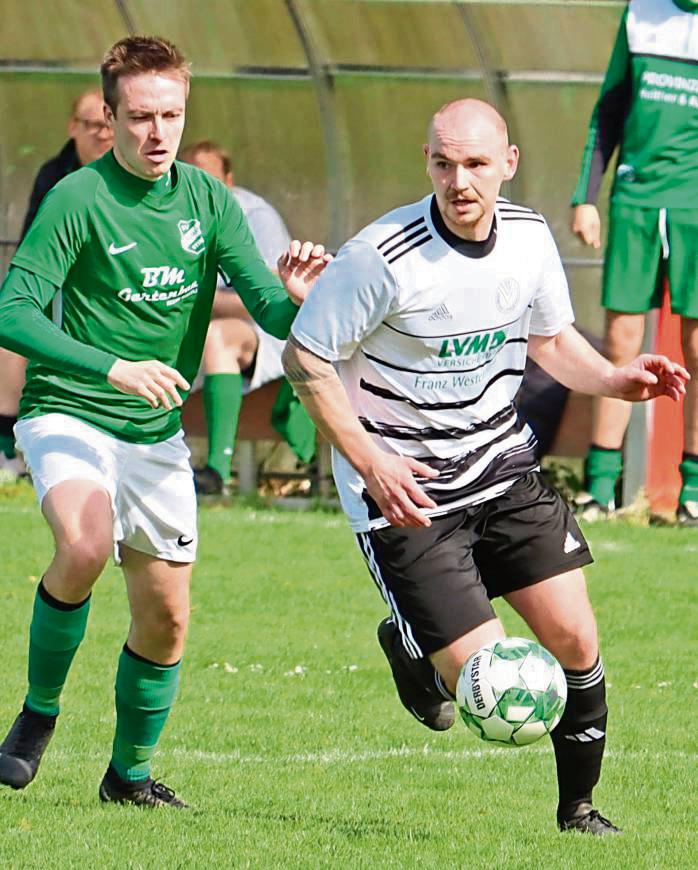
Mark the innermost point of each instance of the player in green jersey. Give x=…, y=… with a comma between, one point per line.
x=125, y=253
x=648, y=108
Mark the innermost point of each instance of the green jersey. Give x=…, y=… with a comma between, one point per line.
x=129, y=269
x=649, y=107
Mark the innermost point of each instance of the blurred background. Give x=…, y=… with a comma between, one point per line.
x=324, y=103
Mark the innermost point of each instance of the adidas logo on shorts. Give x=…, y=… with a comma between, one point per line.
x=571, y=543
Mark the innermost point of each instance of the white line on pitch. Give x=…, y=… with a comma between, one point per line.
x=338, y=756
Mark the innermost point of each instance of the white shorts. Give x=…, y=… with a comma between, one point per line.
x=151, y=486
x=267, y=363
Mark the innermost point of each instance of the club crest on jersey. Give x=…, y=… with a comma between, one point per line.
x=507, y=295
x=191, y=236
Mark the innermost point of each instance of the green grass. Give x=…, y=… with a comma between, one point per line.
x=288, y=737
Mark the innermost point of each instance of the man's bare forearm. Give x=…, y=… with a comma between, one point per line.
x=572, y=361
x=325, y=399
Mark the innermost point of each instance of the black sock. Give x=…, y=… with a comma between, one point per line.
x=580, y=737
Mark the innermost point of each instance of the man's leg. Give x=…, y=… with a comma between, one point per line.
x=688, y=498
x=440, y=610
x=558, y=611
x=148, y=675
x=80, y=517
x=229, y=349
x=622, y=343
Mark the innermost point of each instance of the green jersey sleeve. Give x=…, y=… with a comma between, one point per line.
x=242, y=267
x=607, y=119
x=25, y=329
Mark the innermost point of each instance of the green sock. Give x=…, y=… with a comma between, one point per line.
x=145, y=691
x=222, y=401
x=601, y=470
x=689, y=477
x=54, y=636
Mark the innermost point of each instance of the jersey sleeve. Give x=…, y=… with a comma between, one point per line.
x=348, y=301
x=607, y=119
x=552, y=308
x=25, y=329
x=270, y=234
x=242, y=267
x=57, y=234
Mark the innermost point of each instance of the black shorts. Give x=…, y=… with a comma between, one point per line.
x=438, y=582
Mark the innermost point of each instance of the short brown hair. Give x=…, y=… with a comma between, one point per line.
x=140, y=54
x=206, y=146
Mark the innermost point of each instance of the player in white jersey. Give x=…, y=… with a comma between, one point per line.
x=408, y=354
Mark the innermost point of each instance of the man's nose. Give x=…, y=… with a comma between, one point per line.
x=462, y=180
x=157, y=127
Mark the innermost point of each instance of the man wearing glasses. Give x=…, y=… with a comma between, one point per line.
x=90, y=137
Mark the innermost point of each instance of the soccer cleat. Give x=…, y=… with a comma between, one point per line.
x=144, y=793
x=22, y=749
x=207, y=481
x=590, y=510
x=687, y=515
x=587, y=820
x=425, y=703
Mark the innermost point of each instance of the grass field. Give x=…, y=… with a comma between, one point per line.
x=288, y=737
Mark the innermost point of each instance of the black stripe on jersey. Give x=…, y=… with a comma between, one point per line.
x=442, y=371
x=509, y=466
x=450, y=334
x=455, y=467
x=418, y=232
x=382, y=393
x=524, y=217
x=518, y=209
x=401, y=231
x=689, y=60
x=414, y=245
x=430, y=433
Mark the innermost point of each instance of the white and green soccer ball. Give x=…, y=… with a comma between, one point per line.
x=511, y=691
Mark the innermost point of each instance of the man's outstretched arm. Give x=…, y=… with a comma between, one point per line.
x=572, y=361
x=389, y=478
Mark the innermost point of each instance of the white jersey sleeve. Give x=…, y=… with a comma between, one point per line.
x=351, y=298
x=552, y=308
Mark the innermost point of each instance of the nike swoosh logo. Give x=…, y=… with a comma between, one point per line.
x=416, y=714
x=114, y=250
x=182, y=542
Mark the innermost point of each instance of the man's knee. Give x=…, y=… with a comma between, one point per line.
x=624, y=334
x=80, y=559
x=575, y=646
x=166, y=626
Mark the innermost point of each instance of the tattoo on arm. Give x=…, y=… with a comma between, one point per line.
x=307, y=372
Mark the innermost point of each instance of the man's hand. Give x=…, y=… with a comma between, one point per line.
x=391, y=483
x=647, y=377
x=299, y=267
x=586, y=224
x=152, y=380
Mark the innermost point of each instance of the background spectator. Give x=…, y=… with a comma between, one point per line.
x=90, y=137
x=238, y=355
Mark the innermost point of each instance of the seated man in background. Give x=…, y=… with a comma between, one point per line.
x=238, y=355
x=90, y=138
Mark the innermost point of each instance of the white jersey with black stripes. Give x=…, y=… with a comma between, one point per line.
x=428, y=333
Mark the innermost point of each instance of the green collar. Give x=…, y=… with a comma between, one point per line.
x=152, y=192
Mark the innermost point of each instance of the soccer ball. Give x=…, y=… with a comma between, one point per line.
x=511, y=691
